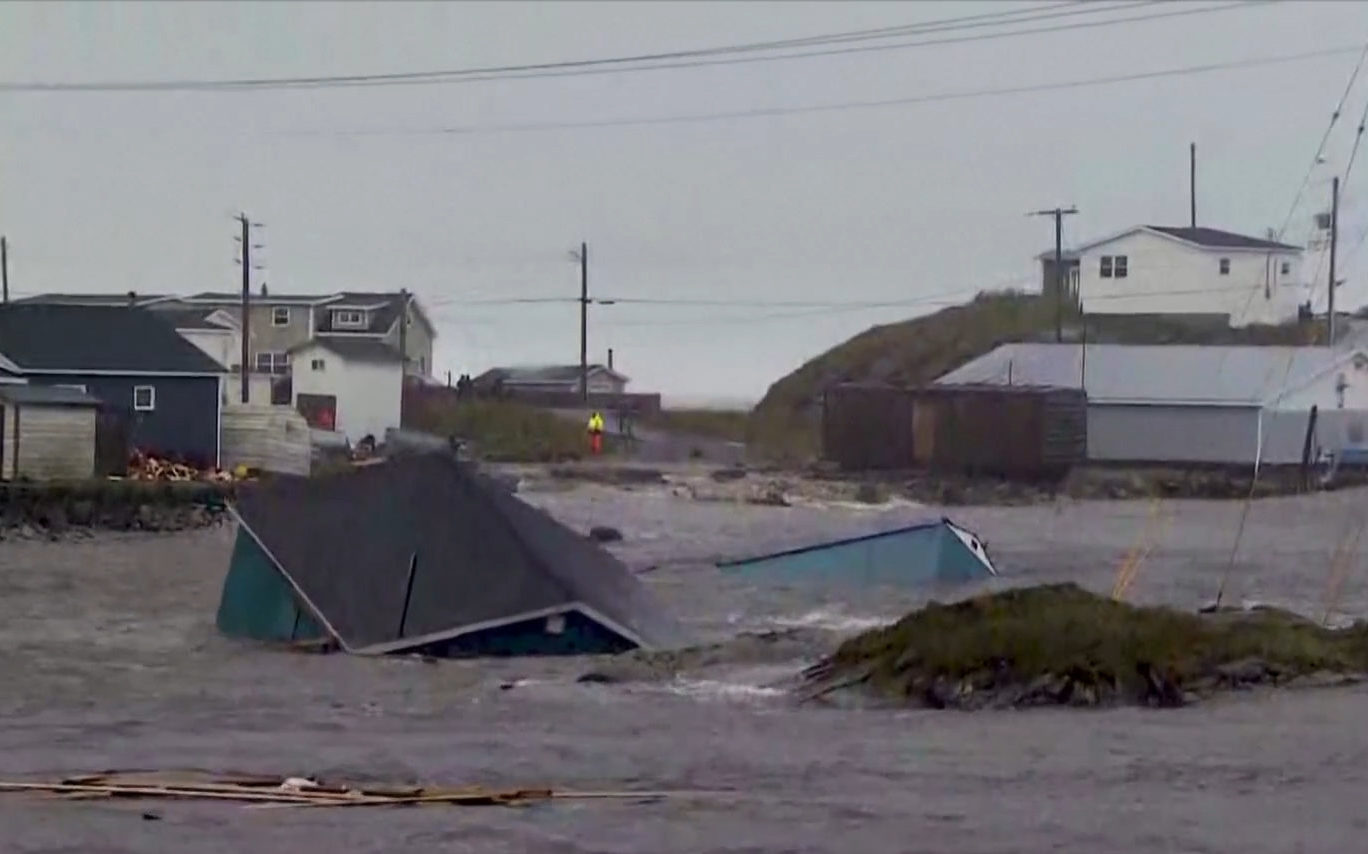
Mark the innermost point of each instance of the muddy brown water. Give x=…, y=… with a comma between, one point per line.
x=110, y=660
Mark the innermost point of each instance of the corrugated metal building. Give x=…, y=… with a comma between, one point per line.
x=1194, y=404
x=46, y=432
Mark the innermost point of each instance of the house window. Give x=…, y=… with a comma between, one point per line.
x=272, y=363
x=1286, y=268
x=349, y=318
x=1119, y=266
x=280, y=316
x=1225, y=266
x=144, y=398
x=316, y=365
x=1105, y=270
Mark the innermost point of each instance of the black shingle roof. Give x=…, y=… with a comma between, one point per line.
x=354, y=349
x=45, y=395
x=481, y=555
x=76, y=338
x=1218, y=239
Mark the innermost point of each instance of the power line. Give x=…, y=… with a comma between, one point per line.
x=676, y=59
x=840, y=106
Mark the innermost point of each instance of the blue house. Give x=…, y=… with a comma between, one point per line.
x=164, y=390
x=424, y=554
x=933, y=551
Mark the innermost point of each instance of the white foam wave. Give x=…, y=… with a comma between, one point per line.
x=830, y=620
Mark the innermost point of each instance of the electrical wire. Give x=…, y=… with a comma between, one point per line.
x=840, y=106
x=672, y=60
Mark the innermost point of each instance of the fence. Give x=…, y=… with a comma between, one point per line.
x=270, y=438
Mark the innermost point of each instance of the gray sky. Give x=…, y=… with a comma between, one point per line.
x=119, y=191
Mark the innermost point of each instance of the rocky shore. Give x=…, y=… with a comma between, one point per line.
x=1060, y=645
x=56, y=510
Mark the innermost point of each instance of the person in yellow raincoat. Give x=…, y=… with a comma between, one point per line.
x=595, y=433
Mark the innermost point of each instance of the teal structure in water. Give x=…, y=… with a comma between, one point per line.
x=934, y=551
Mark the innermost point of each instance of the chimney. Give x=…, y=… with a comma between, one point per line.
x=610, y=358
x=263, y=289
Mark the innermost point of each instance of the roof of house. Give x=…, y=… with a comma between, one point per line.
x=268, y=298
x=353, y=349
x=537, y=374
x=1165, y=373
x=24, y=394
x=190, y=317
x=93, y=299
x=76, y=338
x=1206, y=238
x=481, y=557
x=383, y=307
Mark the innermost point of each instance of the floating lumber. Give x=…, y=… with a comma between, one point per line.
x=265, y=791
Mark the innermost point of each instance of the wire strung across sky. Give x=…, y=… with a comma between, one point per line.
x=838, y=106
x=676, y=59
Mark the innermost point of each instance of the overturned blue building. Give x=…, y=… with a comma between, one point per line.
x=932, y=551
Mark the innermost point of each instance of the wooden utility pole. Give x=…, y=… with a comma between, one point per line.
x=1058, y=214
x=245, y=369
x=584, y=322
x=403, y=328
x=1192, y=183
x=1334, y=242
x=4, y=267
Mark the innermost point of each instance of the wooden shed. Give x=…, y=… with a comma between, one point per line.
x=46, y=432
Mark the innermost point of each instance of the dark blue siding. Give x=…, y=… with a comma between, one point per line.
x=581, y=636
x=184, y=424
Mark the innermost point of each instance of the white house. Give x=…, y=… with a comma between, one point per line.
x=352, y=385
x=1153, y=269
x=1195, y=404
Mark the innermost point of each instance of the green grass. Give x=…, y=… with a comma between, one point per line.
x=785, y=423
x=728, y=425
x=506, y=431
x=1026, y=633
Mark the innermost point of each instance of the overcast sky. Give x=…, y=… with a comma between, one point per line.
x=111, y=191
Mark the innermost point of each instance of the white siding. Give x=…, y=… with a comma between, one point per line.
x=368, y=394
x=6, y=441
x=221, y=346
x=54, y=442
x=1323, y=391
x=1167, y=276
x=258, y=388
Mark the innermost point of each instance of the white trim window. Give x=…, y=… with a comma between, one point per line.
x=144, y=398
x=316, y=365
x=1104, y=267
x=1120, y=266
x=348, y=318
x=1224, y=266
x=280, y=315
x=272, y=363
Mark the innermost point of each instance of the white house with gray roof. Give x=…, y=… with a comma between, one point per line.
x=1200, y=272
x=1194, y=404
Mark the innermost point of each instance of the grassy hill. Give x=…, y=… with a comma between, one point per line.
x=786, y=422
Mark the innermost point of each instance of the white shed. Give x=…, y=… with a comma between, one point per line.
x=46, y=432
x=352, y=385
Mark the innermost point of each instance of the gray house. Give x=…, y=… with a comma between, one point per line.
x=1195, y=404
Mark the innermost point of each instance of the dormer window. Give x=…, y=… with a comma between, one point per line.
x=349, y=319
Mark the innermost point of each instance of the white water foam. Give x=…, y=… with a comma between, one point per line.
x=831, y=620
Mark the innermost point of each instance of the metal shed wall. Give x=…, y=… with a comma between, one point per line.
x=1173, y=434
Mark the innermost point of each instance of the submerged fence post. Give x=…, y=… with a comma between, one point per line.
x=408, y=595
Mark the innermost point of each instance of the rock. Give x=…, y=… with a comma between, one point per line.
x=54, y=518
x=1247, y=671
x=605, y=534
x=729, y=474
x=771, y=497
x=595, y=677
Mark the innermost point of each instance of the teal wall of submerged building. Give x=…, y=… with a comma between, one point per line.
x=922, y=554
x=258, y=602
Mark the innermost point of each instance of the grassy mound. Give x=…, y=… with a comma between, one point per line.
x=1060, y=644
x=506, y=431
x=112, y=504
x=916, y=351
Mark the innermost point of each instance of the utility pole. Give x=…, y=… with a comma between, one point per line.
x=1334, y=242
x=4, y=266
x=1058, y=214
x=403, y=329
x=245, y=369
x=1192, y=182
x=584, y=322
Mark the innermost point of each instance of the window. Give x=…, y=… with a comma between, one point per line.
x=144, y=398
x=1105, y=270
x=1119, y=266
x=316, y=365
x=273, y=363
x=1225, y=266
x=280, y=316
x=347, y=317
x=1286, y=268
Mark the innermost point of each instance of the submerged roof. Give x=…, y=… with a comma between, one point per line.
x=1160, y=373
x=75, y=338
x=481, y=557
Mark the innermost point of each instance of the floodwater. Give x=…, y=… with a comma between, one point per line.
x=110, y=660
